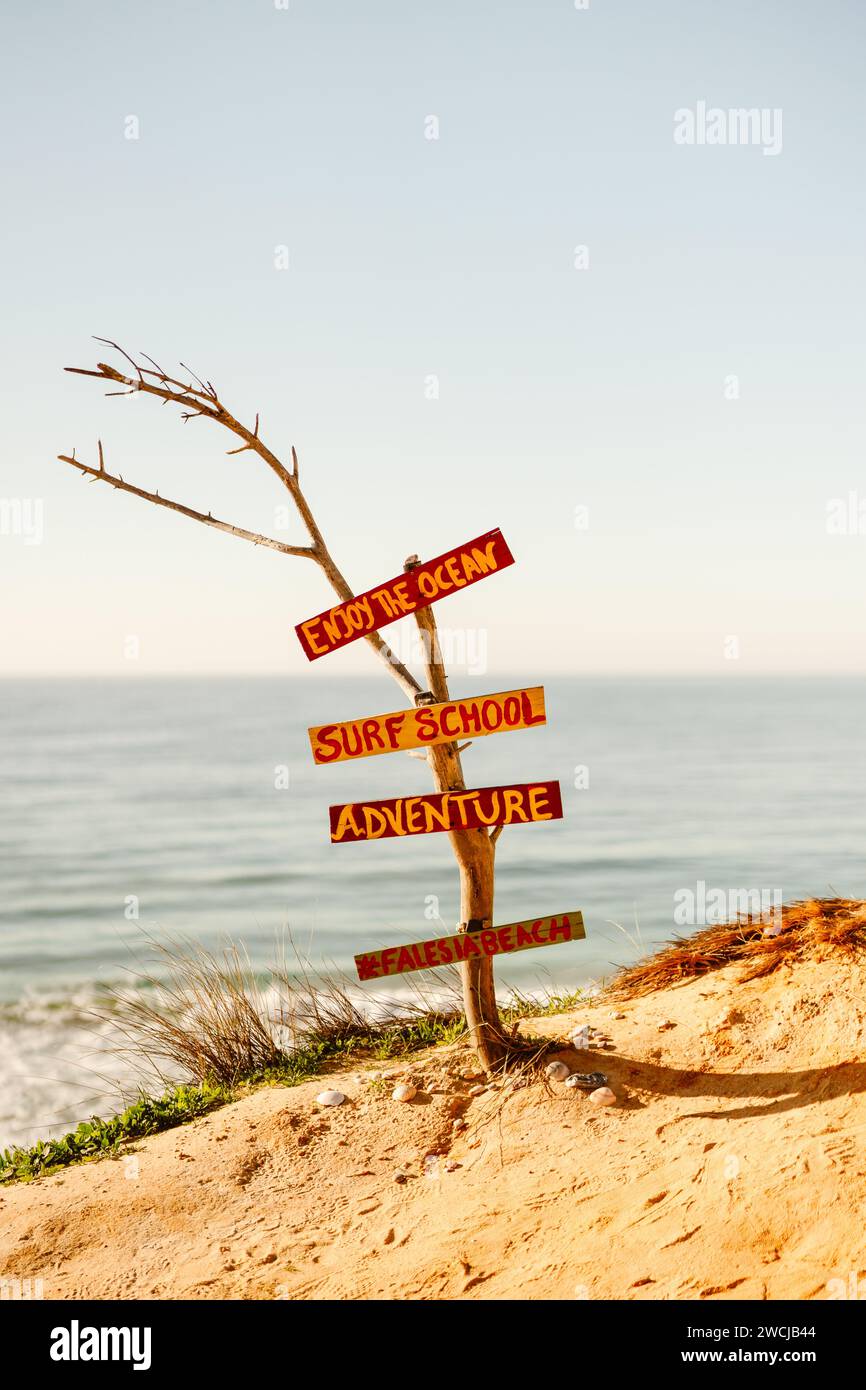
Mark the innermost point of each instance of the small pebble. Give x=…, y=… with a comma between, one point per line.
x=477, y=1090
x=330, y=1098
x=405, y=1091
x=451, y=1166
x=400, y=1177
x=603, y=1096
x=617, y=1015
x=556, y=1071
x=664, y=1024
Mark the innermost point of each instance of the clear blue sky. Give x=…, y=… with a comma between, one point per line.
x=558, y=387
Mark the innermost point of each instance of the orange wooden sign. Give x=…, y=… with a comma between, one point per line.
x=416, y=588
x=469, y=810
x=426, y=725
x=450, y=950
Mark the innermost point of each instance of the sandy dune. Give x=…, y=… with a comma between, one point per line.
x=732, y=1166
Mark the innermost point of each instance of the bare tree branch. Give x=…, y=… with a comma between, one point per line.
x=202, y=401
x=99, y=475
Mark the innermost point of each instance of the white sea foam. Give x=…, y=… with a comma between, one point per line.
x=59, y=1064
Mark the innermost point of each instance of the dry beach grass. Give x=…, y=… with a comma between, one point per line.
x=808, y=928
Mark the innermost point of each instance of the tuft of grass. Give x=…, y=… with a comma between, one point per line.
x=209, y=1017
x=95, y=1138
x=812, y=928
x=203, y=1014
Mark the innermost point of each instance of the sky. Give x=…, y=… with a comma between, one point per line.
x=458, y=256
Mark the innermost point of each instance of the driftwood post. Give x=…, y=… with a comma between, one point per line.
x=474, y=850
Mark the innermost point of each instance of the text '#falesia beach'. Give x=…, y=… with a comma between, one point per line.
x=451, y=950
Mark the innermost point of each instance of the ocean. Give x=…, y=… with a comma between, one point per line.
x=191, y=807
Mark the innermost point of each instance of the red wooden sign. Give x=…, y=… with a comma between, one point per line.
x=415, y=589
x=450, y=950
x=469, y=810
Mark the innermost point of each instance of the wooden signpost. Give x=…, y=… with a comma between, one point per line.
x=414, y=589
x=423, y=815
x=428, y=725
x=451, y=950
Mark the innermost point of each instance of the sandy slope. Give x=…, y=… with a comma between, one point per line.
x=733, y=1166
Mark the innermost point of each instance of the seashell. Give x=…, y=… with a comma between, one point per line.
x=405, y=1091
x=587, y=1081
x=556, y=1071
x=330, y=1098
x=603, y=1096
